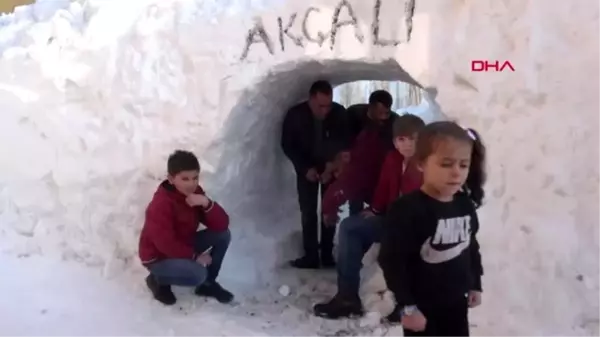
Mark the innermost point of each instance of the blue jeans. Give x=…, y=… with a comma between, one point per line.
x=188, y=272
x=356, y=235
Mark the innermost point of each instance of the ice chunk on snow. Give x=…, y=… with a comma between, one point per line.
x=284, y=290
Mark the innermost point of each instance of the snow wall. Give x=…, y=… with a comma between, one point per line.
x=95, y=97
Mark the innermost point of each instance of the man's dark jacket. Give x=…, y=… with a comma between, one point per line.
x=298, y=136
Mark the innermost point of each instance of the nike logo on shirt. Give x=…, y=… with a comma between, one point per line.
x=449, y=231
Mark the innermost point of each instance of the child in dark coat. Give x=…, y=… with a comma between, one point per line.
x=429, y=252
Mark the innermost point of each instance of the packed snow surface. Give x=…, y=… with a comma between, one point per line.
x=96, y=94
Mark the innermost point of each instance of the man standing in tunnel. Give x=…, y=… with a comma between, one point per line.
x=314, y=133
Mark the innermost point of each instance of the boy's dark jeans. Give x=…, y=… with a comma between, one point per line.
x=356, y=235
x=188, y=272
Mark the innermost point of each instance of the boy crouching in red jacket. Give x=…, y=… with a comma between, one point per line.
x=171, y=247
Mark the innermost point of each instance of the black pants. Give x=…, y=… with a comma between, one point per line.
x=308, y=198
x=447, y=320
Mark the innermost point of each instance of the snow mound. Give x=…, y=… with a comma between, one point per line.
x=96, y=96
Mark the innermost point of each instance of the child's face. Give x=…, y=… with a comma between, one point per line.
x=406, y=145
x=446, y=169
x=185, y=182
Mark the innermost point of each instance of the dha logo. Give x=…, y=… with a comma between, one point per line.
x=496, y=66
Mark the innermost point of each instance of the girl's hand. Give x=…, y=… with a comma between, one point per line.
x=474, y=298
x=415, y=322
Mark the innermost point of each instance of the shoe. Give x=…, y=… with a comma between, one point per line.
x=306, y=262
x=215, y=291
x=327, y=260
x=339, y=307
x=163, y=294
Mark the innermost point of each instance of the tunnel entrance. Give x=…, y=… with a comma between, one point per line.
x=256, y=179
x=408, y=98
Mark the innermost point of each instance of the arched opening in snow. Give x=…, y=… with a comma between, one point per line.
x=407, y=98
x=255, y=178
x=405, y=95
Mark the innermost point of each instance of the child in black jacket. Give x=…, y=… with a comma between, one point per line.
x=429, y=252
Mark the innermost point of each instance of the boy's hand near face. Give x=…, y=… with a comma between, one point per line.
x=197, y=200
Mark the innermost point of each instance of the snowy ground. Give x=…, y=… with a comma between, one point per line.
x=52, y=297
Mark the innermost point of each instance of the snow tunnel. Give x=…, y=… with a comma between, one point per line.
x=95, y=95
x=254, y=176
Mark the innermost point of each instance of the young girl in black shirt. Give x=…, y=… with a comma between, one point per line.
x=429, y=252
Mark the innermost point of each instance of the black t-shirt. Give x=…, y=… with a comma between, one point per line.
x=429, y=253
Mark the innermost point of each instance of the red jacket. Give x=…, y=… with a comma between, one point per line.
x=393, y=183
x=359, y=178
x=171, y=225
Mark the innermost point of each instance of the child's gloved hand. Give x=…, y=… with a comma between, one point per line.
x=414, y=322
x=474, y=298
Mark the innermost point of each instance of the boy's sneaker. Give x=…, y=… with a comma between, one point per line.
x=339, y=307
x=215, y=291
x=163, y=294
x=306, y=262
